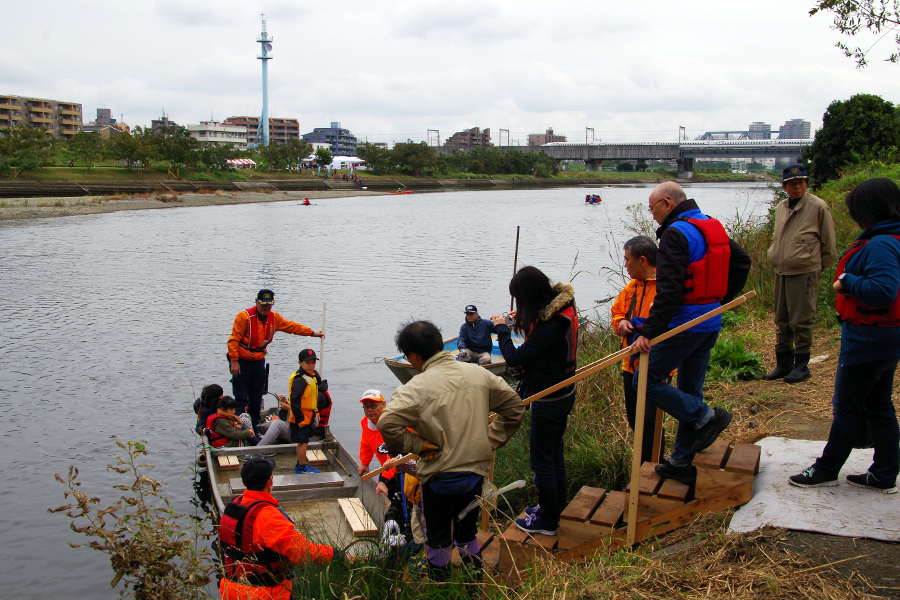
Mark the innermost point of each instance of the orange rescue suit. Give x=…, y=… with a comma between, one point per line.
x=274, y=531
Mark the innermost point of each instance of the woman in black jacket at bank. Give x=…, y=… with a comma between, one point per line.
x=545, y=314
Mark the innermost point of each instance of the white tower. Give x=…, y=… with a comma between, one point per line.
x=265, y=42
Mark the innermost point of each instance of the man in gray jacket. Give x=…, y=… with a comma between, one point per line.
x=802, y=246
x=447, y=406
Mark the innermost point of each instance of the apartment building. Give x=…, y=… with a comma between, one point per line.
x=795, y=129
x=220, y=133
x=539, y=139
x=340, y=140
x=61, y=119
x=280, y=130
x=468, y=139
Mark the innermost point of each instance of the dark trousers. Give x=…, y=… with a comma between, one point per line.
x=795, y=311
x=248, y=387
x=864, y=392
x=649, y=420
x=440, y=512
x=548, y=424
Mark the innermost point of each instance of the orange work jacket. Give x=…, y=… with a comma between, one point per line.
x=633, y=301
x=240, y=334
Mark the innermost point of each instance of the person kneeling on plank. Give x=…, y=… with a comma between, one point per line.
x=447, y=406
x=259, y=543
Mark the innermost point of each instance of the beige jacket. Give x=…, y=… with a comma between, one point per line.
x=448, y=405
x=803, y=241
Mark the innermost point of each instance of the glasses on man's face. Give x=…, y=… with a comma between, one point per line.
x=650, y=208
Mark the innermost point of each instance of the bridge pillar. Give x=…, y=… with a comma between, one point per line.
x=592, y=165
x=685, y=168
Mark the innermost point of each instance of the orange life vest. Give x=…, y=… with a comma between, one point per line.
x=251, y=342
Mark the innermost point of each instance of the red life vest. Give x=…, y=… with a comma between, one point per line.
x=251, y=343
x=244, y=561
x=854, y=311
x=216, y=440
x=707, y=278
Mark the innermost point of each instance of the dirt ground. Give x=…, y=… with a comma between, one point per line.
x=38, y=208
x=803, y=411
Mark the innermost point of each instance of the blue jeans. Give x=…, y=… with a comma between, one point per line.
x=864, y=392
x=548, y=424
x=248, y=387
x=688, y=352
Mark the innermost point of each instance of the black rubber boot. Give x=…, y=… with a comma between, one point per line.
x=801, y=369
x=784, y=363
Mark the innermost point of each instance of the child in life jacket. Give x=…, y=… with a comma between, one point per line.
x=629, y=311
x=225, y=429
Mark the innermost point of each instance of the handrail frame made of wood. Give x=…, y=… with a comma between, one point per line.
x=603, y=363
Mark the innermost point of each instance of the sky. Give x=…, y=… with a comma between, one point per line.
x=391, y=70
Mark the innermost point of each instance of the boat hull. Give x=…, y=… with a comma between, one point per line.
x=404, y=371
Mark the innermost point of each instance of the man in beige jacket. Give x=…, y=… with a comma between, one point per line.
x=802, y=246
x=447, y=406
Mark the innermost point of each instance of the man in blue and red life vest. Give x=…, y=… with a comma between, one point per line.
x=697, y=269
x=251, y=334
x=259, y=543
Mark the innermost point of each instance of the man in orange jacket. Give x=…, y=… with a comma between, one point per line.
x=259, y=543
x=251, y=334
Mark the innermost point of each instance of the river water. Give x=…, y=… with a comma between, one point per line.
x=115, y=321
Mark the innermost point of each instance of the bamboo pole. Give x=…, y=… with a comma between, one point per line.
x=634, y=493
x=322, y=344
x=607, y=361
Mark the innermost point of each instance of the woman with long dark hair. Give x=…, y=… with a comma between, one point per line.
x=867, y=283
x=545, y=314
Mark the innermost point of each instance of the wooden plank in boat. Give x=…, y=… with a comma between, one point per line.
x=584, y=504
x=357, y=517
x=228, y=463
x=316, y=457
x=284, y=483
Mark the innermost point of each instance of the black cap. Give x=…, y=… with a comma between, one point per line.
x=794, y=172
x=256, y=471
x=307, y=355
x=471, y=310
x=266, y=297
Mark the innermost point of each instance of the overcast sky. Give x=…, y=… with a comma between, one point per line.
x=391, y=70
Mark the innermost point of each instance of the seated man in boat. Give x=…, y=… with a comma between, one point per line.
x=474, y=341
x=259, y=543
x=446, y=405
x=303, y=399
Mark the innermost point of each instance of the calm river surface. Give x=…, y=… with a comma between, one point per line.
x=115, y=321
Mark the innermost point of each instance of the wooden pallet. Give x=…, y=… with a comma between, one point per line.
x=596, y=521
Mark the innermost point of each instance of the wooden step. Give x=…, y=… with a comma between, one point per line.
x=358, y=517
x=673, y=490
x=583, y=504
x=296, y=482
x=610, y=511
x=744, y=459
x=649, y=481
x=576, y=533
x=713, y=457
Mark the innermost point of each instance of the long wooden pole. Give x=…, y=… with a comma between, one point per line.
x=515, y=263
x=322, y=344
x=610, y=360
x=634, y=492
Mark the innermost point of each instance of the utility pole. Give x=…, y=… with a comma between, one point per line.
x=588, y=135
x=502, y=131
x=436, y=137
x=682, y=132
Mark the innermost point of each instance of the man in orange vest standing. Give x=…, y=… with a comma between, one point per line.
x=251, y=334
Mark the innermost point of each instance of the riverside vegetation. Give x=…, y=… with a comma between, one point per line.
x=701, y=560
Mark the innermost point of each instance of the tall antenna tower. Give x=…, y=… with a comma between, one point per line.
x=265, y=42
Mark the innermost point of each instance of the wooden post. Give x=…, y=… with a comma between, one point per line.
x=484, y=509
x=638, y=445
x=657, y=434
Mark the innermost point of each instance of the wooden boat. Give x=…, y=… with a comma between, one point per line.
x=332, y=507
x=405, y=371
x=593, y=199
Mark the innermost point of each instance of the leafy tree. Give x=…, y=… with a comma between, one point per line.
x=851, y=16
x=174, y=145
x=136, y=148
x=641, y=166
x=415, y=158
x=624, y=166
x=857, y=130
x=215, y=156
x=324, y=156
x=26, y=148
x=378, y=159
x=88, y=148
x=295, y=150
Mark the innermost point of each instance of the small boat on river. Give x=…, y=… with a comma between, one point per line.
x=405, y=371
x=332, y=507
x=593, y=199
x=401, y=192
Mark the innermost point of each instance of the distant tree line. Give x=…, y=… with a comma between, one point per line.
x=418, y=159
x=31, y=148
